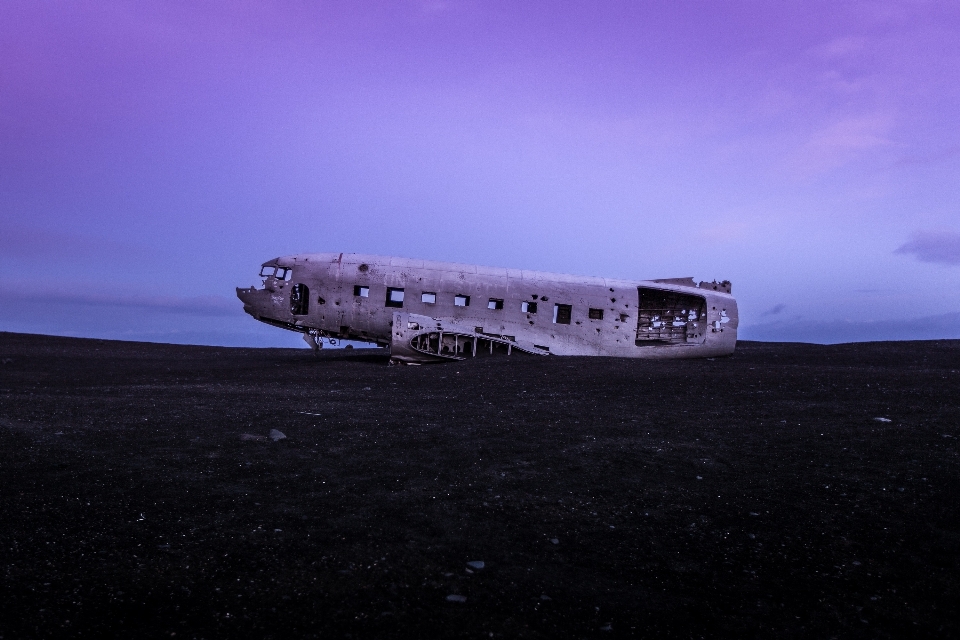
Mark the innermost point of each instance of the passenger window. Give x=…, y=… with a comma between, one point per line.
x=495, y=303
x=299, y=300
x=428, y=297
x=595, y=314
x=562, y=313
x=361, y=292
x=528, y=307
x=394, y=297
x=461, y=301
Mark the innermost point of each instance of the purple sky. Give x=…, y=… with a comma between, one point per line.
x=152, y=155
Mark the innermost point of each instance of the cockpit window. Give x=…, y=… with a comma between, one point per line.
x=280, y=273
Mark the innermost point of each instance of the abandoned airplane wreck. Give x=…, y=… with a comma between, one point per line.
x=440, y=312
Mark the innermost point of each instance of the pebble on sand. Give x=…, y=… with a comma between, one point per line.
x=276, y=435
x=476, y=564
x=455, y=598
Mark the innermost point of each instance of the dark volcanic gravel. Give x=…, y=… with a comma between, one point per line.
x=756, y=495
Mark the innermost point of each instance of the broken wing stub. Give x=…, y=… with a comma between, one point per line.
x=418, y=338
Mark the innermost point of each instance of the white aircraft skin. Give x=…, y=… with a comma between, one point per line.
x=442, y=311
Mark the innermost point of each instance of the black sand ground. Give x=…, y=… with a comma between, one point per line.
x=757, y=495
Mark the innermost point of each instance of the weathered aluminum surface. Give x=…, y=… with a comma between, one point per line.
x=442, y=311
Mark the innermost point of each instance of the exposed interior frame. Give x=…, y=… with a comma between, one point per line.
x=670, y=317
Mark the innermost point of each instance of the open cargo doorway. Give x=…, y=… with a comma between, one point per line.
x=670, y=317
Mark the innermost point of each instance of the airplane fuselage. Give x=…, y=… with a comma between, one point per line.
x=439, y=311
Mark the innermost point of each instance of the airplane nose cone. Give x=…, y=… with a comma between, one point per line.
x=247, y=297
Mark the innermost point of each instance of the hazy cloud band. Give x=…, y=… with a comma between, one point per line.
x=934, y=246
